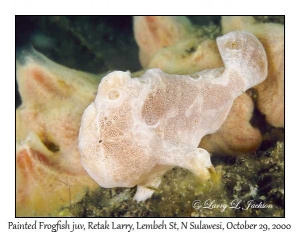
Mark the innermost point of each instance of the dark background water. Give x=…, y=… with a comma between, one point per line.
x=94, y=44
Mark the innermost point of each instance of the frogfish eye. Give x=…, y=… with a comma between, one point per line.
x=113, y=94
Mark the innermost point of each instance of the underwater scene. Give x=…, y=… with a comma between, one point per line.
x=150, y=116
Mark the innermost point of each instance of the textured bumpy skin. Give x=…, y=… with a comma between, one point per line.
x=271, y=92
x=138, y=128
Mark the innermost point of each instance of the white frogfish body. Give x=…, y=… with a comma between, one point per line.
x=139, y=128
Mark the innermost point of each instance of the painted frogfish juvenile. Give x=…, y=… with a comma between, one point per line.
x=139, y=128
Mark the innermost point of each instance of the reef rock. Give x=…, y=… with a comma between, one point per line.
x=48, y=170
x=139, y=128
